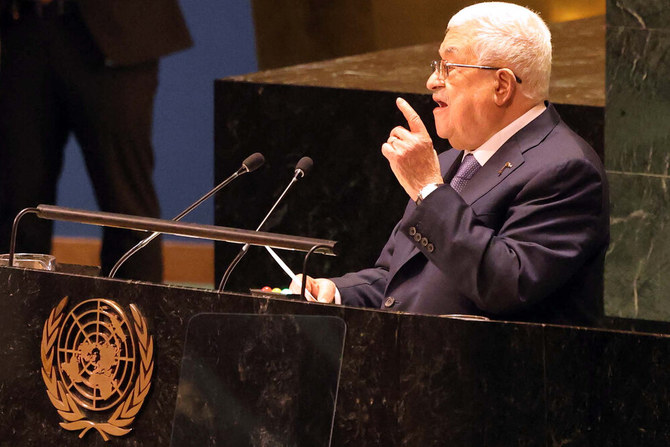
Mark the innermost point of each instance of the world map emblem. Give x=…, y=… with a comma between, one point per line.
x=97, y=365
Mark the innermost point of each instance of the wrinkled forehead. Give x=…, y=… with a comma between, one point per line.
x=456, y=43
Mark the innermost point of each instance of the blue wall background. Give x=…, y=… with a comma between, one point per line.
x=223, y=33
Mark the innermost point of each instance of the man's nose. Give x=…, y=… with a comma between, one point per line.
x=433, y=82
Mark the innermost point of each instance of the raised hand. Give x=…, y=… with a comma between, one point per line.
x=411, y=154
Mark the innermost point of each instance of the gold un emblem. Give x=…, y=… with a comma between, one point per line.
x=97, y=365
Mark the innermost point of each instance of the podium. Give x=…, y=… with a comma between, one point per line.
x=392, y=379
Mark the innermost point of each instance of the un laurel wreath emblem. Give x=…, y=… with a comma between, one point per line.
x=97, y=365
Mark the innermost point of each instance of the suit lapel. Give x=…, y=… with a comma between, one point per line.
x=505, y=161
x=510, y=155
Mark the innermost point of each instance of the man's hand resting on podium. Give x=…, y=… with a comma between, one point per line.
x=321, y=288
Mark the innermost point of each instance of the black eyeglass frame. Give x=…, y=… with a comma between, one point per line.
x=442, y=67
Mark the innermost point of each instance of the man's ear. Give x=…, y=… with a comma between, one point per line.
x=505, y=87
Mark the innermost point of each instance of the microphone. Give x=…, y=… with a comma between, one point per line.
x=303, y=166
x=250, y=164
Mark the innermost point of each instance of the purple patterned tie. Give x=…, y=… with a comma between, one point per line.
x=466, y=170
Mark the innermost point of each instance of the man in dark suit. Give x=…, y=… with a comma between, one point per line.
x=89, y=67
x=513, y=222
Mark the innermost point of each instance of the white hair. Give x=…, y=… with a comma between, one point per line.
x=509, y=36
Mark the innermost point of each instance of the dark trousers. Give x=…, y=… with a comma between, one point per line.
x=54, y=81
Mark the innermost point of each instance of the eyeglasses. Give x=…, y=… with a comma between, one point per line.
x=442, y=69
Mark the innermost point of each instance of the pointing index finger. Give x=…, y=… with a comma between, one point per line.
x=413, y=119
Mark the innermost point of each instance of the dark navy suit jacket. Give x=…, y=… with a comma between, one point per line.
x=525, y=242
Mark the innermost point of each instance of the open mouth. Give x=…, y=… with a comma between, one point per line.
x=439, y=103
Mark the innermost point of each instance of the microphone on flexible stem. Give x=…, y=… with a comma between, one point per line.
x=250, y=164
x=301, y=169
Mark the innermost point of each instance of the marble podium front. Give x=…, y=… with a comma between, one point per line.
x=404, y=380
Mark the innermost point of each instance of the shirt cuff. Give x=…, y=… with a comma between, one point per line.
x=338, y=297
x=425, y=191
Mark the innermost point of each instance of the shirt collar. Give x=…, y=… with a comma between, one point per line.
x=484, y=152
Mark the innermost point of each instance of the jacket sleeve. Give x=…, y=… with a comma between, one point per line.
x=366, y=288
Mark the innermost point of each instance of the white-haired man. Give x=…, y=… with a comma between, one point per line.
x=513, y=222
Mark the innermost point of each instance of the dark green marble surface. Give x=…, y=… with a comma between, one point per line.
x=638, y=101
x=637, y=147
x=637, y=284
x=644, y=14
